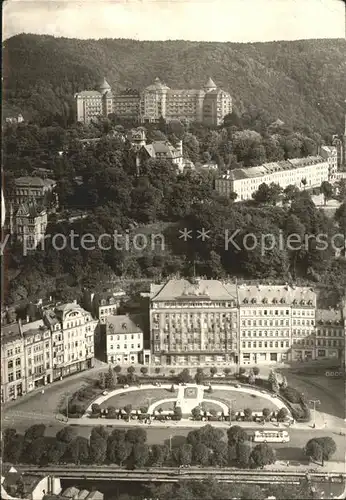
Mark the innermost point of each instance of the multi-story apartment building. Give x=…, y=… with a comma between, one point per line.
x=73, y=331
x=12, y=363
x=330, y=154
x=194, y=322
x=29, y=222
x=107, y=304
x=330, y=334
x=124, y=340
x=126, y=104
x=91, y=104
x=37, y=342
x=300, y=172
x=208, y=105
x=162, y=150
x=276, y=323
x=32, y=188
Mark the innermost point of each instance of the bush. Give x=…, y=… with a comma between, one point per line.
x=95, y=408
x=291, y=394
x=111, y=412
x=282, y=414
x=248, y=414
x=157, y=370
x=256, y=371
x=144, y=370
x=117, y=369
x=227, y=371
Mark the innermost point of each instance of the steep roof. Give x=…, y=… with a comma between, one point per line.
x=210, y=84
x=121, y=324
x=161, y=147
x=330, y=316
x=28, y=181
x=181, y=289
x=157, y=85
x=280, y=294
x=103, y=84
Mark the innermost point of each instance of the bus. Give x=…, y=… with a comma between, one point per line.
x=271, y=437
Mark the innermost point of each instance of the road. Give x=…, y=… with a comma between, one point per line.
x=38, y=407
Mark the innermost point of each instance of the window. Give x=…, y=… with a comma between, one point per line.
x=10, y=377
x=18, y=362
x=10, y=365
x=10, y=352
x=18, y=374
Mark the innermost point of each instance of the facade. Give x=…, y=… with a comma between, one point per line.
x=29, y=223
x=277, y=324
x=91, y=104
x=330, y=335
x=38, y=361
x=31, y=188
x=331, y=155
x=307, y=172
x=208, y=105
x=124, y=340
x=107, y=304
x=126, y=104
x=73, y=331
x=162, y=150
x=193, y=322
x=13, y=384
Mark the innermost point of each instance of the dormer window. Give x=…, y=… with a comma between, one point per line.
x=302, y=302
x=254, y=300
x=275, y=300
x=124, y=326
x=283, y=300
x=245, y=301
x=265, y=300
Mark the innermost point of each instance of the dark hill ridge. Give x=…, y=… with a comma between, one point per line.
x=301, y=82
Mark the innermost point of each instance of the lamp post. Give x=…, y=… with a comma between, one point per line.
x=170, y=442
x=314, y=402
x=66, y=399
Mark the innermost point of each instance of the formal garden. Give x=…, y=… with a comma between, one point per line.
x=206, y=396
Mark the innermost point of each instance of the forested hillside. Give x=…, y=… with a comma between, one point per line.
x=300, y=82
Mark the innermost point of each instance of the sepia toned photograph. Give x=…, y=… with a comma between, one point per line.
x=173, y=250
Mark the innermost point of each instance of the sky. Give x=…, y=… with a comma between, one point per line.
x=200, y=20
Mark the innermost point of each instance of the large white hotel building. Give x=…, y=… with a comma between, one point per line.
x=307, y=173
x=209, y=322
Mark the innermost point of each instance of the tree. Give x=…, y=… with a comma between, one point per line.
x=340, y=216
x=56, y=452
x=95, y=408
x=183, y=454
x=37, y=450
x=213, y=371
x=314, y=450
x=79, y=450
x=200, y=454
x=199, y=377
x=159, y=454
x=172, y=372
x=256, y=371
x=131, y=370
x=128, y=411
x=242, y=371
x=144, y=370
x=196, y=413
x=114, y=439
x=102, y=380
x=282, y=414
x=251, y=378
x=290, y=192
x=327, y=190
x=275, y=387
x=36, y=431
x=98, y=448
x=66, y=434
x=136, y=436
x=248, y=414
x=284, y=383
x=243, y=453
x=184, y=376
x=117, y=369
x=236, y=435
x=122, y=452
x=267, y=194
x=320, y=448
x=140, y=454
x=110, y=379
x=262, y=455
x=14, y=449
x=178, y=414
x=227, y=371
x=266, y=413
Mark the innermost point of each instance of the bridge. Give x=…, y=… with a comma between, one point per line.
x=174, y=474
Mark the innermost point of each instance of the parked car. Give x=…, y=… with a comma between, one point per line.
x=104, y=393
